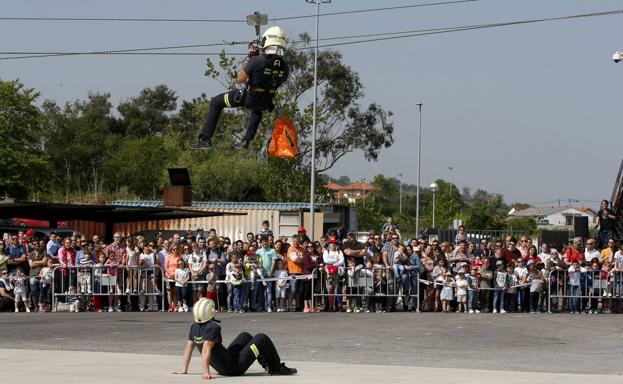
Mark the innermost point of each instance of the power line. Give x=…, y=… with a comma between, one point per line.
x=435, y=31
x=187, y=20
x=37, y=55
x=375, y=9
x=385, y=36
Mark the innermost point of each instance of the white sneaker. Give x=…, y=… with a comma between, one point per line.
x=110, y=309
x=471, y=311
x=349, y=310
x=477, y=311
x=495, y=311
x=127, y=291
x=269, y=310
x=185, y=308
x=27, y=309
x=180, y=309
x=117, y=309
x=502, y=311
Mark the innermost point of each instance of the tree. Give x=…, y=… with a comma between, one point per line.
x=147, y=114
x=486, y=211
x=448, y=205
x=343, y=126
x=21, y=159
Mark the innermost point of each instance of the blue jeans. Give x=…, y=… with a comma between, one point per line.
x=399, y=271
x=268, y=294
x=472, y=298
x=574, y=300
x=498, y=298
x=238, y=291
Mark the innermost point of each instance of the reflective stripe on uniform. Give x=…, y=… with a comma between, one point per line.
x=227, y=100
x=256, y=351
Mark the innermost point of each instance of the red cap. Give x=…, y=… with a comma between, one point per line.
x=250, y=252
x=332, y=241
x=302, y=229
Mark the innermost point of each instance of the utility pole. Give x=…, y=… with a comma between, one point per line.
x=419, y=167
x=257, y=19
x=400, y=174
x=312, y=193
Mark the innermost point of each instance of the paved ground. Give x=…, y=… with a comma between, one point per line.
x=63, y=367
x=560, y=343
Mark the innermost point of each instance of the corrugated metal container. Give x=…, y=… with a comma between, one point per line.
x=284, y=219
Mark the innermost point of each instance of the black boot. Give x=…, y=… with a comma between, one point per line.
x=283, y=370
x=201, y=143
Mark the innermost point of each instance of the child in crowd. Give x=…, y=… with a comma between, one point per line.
x=132, y=262
x=236, y=279
x=211, y=279
x=398, y=267
x=73, y=300
x=352, y=302
x=499, y=285
x=84, y=273
x=281, y=286
x=573, y=287
x=379, y=289
x=473, y=288
x=47, y=277
x=511, y=289
x=229, y=271
x=19, y=289
x=182, y=275
x=462, y=285
x=537, y=281
x=112, y=286
x=447, y=292
x=521, y=274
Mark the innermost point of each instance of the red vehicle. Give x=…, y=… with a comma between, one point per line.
x=31, y=223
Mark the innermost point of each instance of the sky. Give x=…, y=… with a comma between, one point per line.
x=532, y=112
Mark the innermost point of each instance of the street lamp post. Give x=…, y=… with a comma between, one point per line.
x=434, y=187
x=400, y=193
x=312, y=193
x=419, y=163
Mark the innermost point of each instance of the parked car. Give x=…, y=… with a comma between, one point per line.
x=32, y=223
x=40, y=233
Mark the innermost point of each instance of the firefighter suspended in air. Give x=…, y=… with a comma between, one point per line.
x=262, y=75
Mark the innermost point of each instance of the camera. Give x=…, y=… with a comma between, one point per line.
x=618, y=56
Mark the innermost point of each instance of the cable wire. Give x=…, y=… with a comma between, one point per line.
x=434, y=31
x=374, y=9
x=386, y=36
x=134, y=19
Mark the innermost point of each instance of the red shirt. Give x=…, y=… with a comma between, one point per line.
x=573, y=255
x=510, y=256
x=67, y=256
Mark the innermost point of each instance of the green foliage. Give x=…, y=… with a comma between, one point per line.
x=486, y=211
x=521, y=224
x=147, y=114
x=21, y=159
x=369, y=216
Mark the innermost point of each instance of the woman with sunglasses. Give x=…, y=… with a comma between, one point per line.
x=6, y=298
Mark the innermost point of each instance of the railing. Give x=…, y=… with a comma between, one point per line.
x=370, y=288
x=480, y=234
x=582, y=289
x=77, y=283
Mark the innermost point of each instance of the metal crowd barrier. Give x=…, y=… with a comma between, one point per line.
x=594, y=286
x=360, y=283
x=85, y=282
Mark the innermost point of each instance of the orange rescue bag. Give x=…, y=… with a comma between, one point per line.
x=284, y=142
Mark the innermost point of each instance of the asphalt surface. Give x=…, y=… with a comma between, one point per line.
x=559, y=343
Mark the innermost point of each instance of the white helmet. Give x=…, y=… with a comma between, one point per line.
x=203, y=310
x=274, y=36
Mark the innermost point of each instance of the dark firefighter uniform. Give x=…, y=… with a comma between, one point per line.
x=241, y=353
x=266, y=74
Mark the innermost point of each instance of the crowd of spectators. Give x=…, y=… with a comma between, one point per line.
x=337, y=272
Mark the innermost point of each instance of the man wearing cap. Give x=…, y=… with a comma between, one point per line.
x=354, y=248
x=303, y=235
x=205, y=334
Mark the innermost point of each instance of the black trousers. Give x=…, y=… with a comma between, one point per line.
x=231, y=99
x=244, y=350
